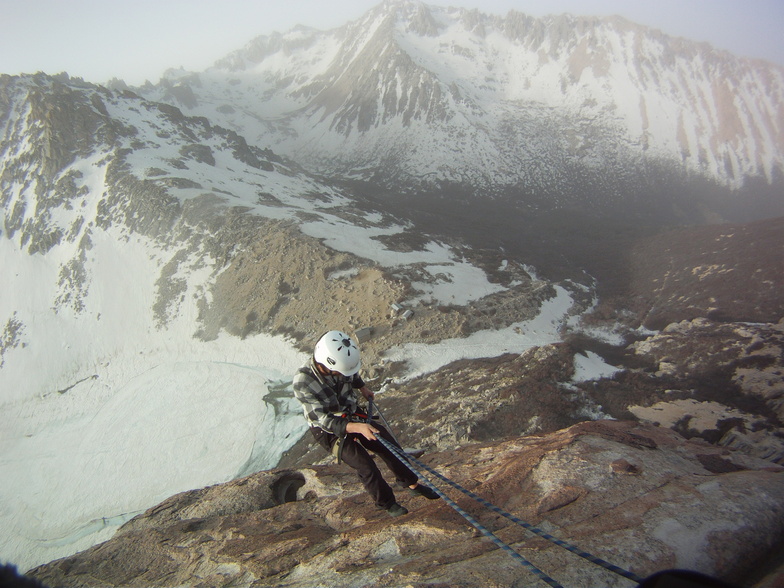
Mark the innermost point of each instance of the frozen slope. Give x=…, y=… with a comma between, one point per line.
x=104, y=416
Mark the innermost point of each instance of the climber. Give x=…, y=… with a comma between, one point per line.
x=325, y=386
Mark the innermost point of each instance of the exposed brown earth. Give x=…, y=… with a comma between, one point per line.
x=285, y=282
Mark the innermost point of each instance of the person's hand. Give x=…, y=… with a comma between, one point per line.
x=367, y=393
x=362, y=429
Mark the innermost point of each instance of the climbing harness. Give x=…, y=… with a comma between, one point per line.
x=340, y=442
x=414, y=464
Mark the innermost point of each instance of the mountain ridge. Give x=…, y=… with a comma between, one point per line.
x=626, y=492
x=592, y=97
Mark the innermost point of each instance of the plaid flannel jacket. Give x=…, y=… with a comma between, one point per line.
x=325, y=399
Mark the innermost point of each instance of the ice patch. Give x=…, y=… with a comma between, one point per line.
x=422, y=358
x=134, y=435
x=592, y=367
x=104, y=413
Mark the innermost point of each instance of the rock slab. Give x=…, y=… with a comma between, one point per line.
x=637, y=495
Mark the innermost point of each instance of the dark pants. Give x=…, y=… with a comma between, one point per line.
x=355, y=454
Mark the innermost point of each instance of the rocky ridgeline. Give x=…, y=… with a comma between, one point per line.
x=55, y=126
x=639, y=496
x=563, y=111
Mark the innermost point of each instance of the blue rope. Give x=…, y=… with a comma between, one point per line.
x=584, y=554
x=486, y=532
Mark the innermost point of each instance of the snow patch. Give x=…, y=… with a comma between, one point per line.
x=592, y=367
x=544, y=329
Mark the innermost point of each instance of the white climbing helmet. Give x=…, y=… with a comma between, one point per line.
x=337, y=352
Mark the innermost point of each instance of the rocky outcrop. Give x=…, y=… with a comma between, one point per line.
x=739, y=367
x=476, y=400
x=721, y=382
x=278, y=276
x=751, y=355
x=639, y=496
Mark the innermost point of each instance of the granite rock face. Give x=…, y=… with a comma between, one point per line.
x=738, y=368
x=639, y=496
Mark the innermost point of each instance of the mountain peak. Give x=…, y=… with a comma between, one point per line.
x=440, y=96
x=414, y=15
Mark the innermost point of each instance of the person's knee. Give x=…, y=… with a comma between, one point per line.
x=356, y=456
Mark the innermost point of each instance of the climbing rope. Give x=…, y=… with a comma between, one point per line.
x=412, y=461
x=481, y=528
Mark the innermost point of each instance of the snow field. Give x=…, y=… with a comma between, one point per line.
x=103, y=414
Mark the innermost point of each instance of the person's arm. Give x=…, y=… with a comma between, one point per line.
x=364, y=429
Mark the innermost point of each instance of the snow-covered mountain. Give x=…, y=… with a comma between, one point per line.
x=570, y=108
x=156, y=243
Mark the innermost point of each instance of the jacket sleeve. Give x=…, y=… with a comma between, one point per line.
x=317, y=402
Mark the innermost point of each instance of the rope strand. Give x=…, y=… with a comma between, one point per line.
x=486, y=532
x=579, y=552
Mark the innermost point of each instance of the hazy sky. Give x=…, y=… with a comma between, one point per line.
x=139, y=39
